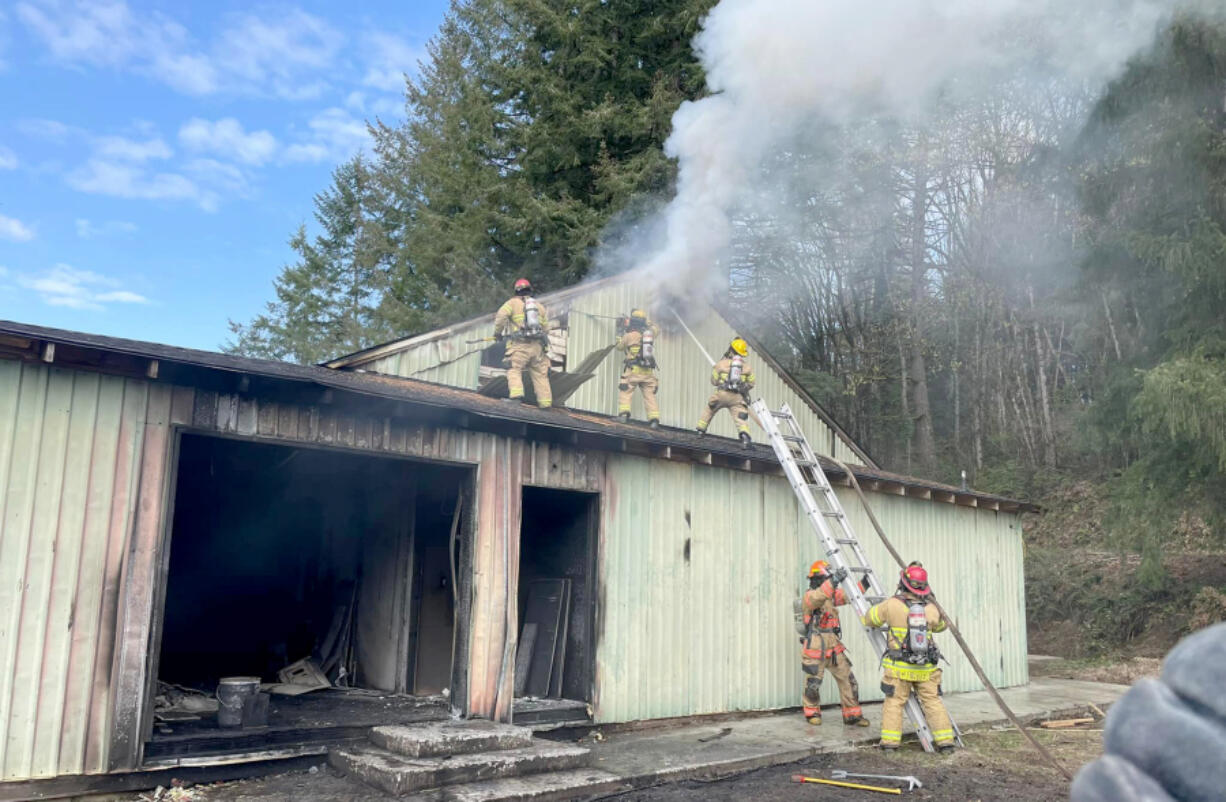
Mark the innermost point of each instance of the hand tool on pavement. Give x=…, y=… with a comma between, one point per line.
x=800, y=778
x=911, y=781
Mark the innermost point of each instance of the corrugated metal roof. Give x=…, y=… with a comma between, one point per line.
x=591, y=327
x=437, y=396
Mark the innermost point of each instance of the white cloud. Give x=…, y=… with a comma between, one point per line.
x=278, y=53
x=8, y=159
x=282, y=54
x=65, y=285
x=122, y=180
x=227, y=138
x=335, y=134
x=49, y=130
x=13, y=229
x=131, y=150
x=390, y=57
x=88, y=229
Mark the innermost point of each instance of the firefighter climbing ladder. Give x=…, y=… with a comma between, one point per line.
x=830, y=522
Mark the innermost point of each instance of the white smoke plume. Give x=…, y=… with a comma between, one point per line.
x=779, y=69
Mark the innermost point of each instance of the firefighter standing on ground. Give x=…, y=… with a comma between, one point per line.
x=823, y=650
x=524, y=322
x=910, y=662
x=637, y=342
x=733, y=379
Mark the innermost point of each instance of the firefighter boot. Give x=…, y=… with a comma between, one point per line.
x=745, y=439
x=625, y=416
x=654, y=423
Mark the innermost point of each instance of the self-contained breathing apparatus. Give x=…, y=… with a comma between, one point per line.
x=533, y=327
x=735, y=369
x=918, y=648
x=637, y=321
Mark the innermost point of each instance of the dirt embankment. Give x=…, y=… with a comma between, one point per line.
x=1085, y=594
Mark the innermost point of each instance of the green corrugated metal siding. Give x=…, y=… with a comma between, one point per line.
x=685, y=376
x=69, y=460
x=447, y=360
x=714, y=633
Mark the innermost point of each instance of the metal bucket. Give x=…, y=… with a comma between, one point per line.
x=232, y=694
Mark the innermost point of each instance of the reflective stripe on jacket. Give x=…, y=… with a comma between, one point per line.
x=891, y=615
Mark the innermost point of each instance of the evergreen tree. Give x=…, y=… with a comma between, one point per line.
x=326, y=301
x=1154, y=193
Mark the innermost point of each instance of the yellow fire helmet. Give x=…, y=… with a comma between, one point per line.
x=740, y=346
x=638, y=314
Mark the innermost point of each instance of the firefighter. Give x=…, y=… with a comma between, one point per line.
x=733, y=379
x=823, y=649
x=524, y=322
x=637, y=342
x=910, y=662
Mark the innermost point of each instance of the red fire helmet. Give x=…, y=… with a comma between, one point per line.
x=915, y=579
x=523, y=285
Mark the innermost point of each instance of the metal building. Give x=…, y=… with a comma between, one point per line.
x=166, y=513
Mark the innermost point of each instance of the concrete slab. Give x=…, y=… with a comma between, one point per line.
x=648, y=758
x=450, y=738
x=399, y=775
x=558, y=785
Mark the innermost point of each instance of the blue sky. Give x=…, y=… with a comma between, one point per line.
x=155, y=157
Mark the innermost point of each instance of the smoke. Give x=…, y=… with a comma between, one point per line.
x=782, y=72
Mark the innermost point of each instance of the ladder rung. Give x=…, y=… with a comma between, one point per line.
x=791, y=438
x=780, y=414
x=834, y=514
x=846, y=541
x=876, y=598
x=804, y=463
x=860, y=569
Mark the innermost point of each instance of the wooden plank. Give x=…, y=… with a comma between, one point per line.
x=544, y=608
x=137, y=583
x=122, y=511
x=523, y=657
x=559, y=656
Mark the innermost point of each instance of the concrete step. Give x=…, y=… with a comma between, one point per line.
x=552, y=786
x=451, y=738
x=400, y=775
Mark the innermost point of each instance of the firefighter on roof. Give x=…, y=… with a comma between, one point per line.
x=524, y=322
x=910, y=662
x=637, y=342
x=733, y=379
x=822, y=648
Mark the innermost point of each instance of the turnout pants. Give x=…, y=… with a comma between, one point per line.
x=897, y=691
x=733, y=402
x=644, y=381
x=815, y=663
x=529, y=355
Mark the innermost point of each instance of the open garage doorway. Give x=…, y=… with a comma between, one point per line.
x=557, y=566
x=279, y=555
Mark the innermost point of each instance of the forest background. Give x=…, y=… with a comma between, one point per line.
x=1030, y=288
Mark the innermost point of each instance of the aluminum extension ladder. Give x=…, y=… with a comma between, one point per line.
x=825, y=512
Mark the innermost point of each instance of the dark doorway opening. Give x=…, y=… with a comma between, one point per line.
x=557, y=566
x=277, y=554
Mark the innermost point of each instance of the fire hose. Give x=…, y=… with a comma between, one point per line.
x=953, y=630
